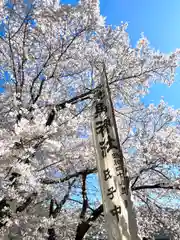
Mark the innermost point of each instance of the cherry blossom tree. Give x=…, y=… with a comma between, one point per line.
x=51, y=60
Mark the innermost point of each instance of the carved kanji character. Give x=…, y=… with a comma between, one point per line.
x=102, y=126
x=103, y=148
x=116, y=155
x=100, y=107
x=107, y=145
x=116, y=211
x=111, y=192
x=100, y=94
x=110, y=144
x=107, y=174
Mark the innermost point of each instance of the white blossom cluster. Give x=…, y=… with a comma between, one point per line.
x=54, y=57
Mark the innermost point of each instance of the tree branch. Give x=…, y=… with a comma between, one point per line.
x=26, y=203
x=84, y=226
x=84, y=197
x=158, y=185
x=74, y=175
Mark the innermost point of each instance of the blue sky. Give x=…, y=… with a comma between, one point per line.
x=160, y=22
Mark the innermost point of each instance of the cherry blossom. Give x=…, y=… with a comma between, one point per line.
x=55, y=55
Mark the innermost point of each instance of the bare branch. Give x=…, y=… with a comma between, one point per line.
x=154, y=186
x=74, y=175
x=84, y=197
x=26, y=203
x=84, y=226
